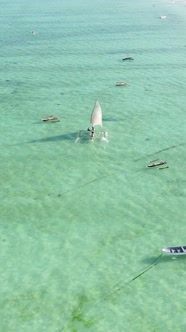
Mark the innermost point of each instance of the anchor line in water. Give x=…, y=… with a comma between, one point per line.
x=165, y=149
x=87, y=183
x=147, y=269
x=134, y=278
x=150, y=266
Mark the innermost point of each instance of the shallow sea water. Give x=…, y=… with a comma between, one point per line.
x=83, y=223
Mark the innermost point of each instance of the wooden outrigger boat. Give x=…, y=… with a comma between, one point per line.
x=157, y=164
x=121, y=83
x=128, y=58
x=50, y=118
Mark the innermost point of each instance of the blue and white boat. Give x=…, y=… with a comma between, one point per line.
x=175, y=250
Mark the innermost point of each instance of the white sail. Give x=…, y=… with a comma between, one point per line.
x=96, y=117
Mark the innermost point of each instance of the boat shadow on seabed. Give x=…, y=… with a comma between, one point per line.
x=84, y=138
x=64, y=137
x=161, y=259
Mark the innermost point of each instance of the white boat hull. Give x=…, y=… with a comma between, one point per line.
x=175, y=250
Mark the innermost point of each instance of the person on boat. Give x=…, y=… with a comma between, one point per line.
x=91, y=131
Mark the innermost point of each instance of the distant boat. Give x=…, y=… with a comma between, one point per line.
x=50, y=118
x=163, y=16
x=174, y=250
x=121, y=83
x=96, y=116
x=128, y=58
x=157, y=164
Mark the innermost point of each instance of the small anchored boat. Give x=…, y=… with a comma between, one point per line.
x=157, y=164
x=121, y=83
x=50, y=118
x=175, y=250
x=128, y=58
x=163, y=16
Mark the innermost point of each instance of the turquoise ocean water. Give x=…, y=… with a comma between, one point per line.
x=82, y=224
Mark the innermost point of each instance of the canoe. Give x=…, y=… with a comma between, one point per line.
x=121, y=83
x=175, y=250
x=128, y=58
x=157, y=164
x=51, y=118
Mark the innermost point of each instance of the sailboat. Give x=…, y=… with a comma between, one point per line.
x=96, y=116
x=95, y=120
